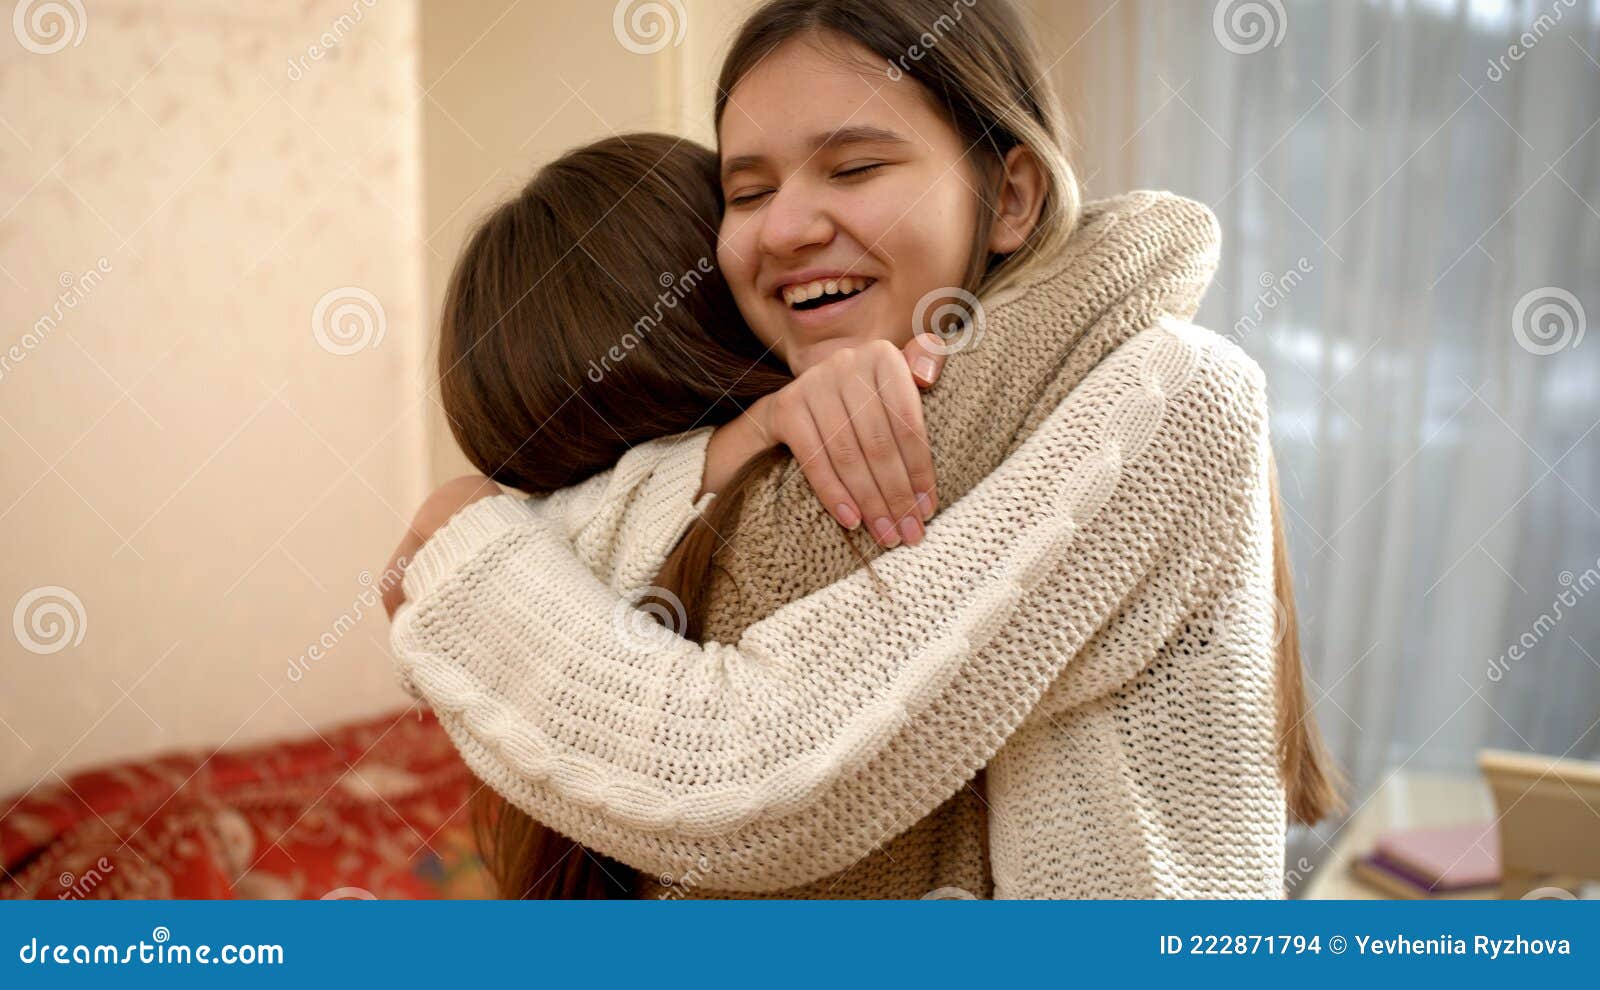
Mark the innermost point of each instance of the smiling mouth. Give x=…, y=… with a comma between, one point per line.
x=824, y=292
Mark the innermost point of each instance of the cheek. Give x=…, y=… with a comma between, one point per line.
x=874, y=219
x=728, y=257
x=930, y=243
x=737, y=270
x=947, y=227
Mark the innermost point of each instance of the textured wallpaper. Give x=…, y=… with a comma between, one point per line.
x=210, y=370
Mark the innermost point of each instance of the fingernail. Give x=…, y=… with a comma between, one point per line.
x=847, y=515
x=911, y=530
x=925, y=368
x=884, y=530
x=924, y=506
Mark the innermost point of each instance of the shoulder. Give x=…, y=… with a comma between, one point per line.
x=1173, y=354
x=1223, y=361
x=1210, y=394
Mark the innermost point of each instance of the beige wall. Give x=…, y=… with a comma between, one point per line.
x=1085, y=44
x=204, y=478
x=213, y=487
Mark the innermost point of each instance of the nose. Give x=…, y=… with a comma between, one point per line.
x=792, y=222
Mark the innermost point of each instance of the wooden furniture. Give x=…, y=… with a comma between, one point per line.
x=1549, y=814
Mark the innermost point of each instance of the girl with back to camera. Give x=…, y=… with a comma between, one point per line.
x=1088, y=632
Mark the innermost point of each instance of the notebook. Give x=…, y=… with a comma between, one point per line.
x=1433, y=862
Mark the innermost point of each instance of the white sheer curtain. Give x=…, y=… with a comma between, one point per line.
x=1410, y=200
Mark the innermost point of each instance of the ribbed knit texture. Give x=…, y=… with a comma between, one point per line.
x=1103, y=601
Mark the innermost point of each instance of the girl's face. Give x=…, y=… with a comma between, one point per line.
x=837, y=177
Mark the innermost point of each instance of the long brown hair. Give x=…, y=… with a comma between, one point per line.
x=585, y=315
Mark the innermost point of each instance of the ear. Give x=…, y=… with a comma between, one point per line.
x=1021, y=198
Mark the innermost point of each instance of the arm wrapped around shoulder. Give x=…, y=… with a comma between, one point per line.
x=849, y=713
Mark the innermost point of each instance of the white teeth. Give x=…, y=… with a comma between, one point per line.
x=848, y=285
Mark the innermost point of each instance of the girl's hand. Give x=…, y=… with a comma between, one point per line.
x=854, y=424
x=446, y=500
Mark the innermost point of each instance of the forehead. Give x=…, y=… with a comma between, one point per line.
x=814, y=85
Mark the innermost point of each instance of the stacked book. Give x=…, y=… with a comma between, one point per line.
x=1460, y=861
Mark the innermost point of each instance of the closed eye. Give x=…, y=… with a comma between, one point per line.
x=860, y=170
x=747, y=198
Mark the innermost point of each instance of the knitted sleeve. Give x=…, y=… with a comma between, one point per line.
x=771, y=757
x=621, y=523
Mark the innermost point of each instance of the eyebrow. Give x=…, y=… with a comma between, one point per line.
x=843, y=136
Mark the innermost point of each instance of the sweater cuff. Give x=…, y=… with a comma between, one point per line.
x=460, y=539
x=677, y=469
x=660, y=507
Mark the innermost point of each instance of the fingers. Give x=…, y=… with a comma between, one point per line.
x=903, y=405
x=925, y=357
x=394, y=593
x=855, y=425
x=849, y=460
x=436, y=510
x=793, y=422
x=878, y=439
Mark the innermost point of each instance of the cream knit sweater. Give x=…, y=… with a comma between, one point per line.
x=1093, y=620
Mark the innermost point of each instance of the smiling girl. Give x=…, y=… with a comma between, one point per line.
x=1092, y=619
x=856, y=203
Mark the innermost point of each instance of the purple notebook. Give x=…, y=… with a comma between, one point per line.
x=1458, y=857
